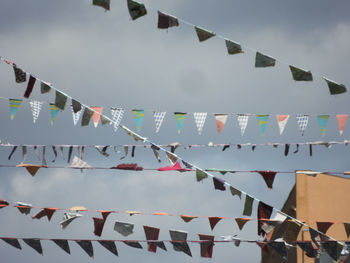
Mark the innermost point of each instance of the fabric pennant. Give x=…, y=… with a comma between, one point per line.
x=241, y=222
x=180, y=119
x=262, y=120
x=269, y=177
x=203, y=34
x=264, y=212
x=242, y=122
x=34, y=243
x=30, y=86
x=109, y=245
x=60, y=100
x=302, y=121
x=322, y=122
x=20, y=75
x=219, y=184
x=158, y=119
x=232, y=47
x=14, y=106
x=97, y=112
x=248, y=205
x=221, y=120
x=347, y=229
x=234, y=192
x=3, y=203
x=133, y=244
x=48, y=212
x=53, y=112
x=76, y=115
x=79, y=163
x=62, y=243
x=138, y=117
x=177, y=235
x=76, y=106
x=23, y=208
x=323, y=226
x=36, y=108
x=102, y=3
x=279, y=247
x=282, y=122
x=124, y=229
x=171, y=157
x=165, y=21
x=31, y=168
x=187, y=218
x=151, y=233
x=206, y=247
x=68, y=218
x=307, y=247
x=86, y=245
x=199, y=118
x=300, y=74
x=213, y=220
x=98, y=225
x=13, y=242
x=263, y=61
x=201, y=175
x=105, y=120
x=117, y=116
x=85, y=120
x=293, y=228
x=136, y=9
x=333, y=248
x=334, y=87
x=44, y=87
x=342, y=118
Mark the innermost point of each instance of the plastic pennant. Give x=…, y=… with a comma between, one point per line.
x=180, y=119
x=234, y=192
x=133, y=244
x=31, y=168
x=334, y=87
x=98, y=225
x=282, y=122
x=242, y=122
x=302, y=121
x=13, y=242
x=102, y=3
x=53, y=112
x=34, y=243
x=177, y=235
x=117, y=116
x=97, y=112
x=219, y=184
x=109, y=245
x=68, y=218
x=307, y=247
x=262, y=120
x=199, y=118
x=136, y=9
x=232, y=47
x=203, y=34
x=323, y=226
x=60, y=100
x=201, y=175
x=206, y=247
x=333, y=248
x=158, y=119
x=14, y=106
x=138, y=117
x=165, y=21
x=268, y=176
x=20, y=75
x=86, y=245
x=293, y=228
x=221, y=120
x=151, y=233
x=36, y=108
x=342, y=118
x=76, y=106
x=62, y=243
x=279, y=247
x=300, y=74
x=48, y=212
x=263, y=61
x=322, y=122
x=79, y=163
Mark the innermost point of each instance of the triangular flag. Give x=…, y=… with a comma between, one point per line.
x=133, y=244
x=102, y=3
x=262, y=120
x=109, y=245
x=44, y=87
x=342, y=118
x=199, y=118
x=221, y=120
x=232, y=47
x=333, y=249
x=241, y=222
x=213, y=220
x=302, y=121
x=263, y=61
x=292, y=230
x=136, y=9
x=269, y=177
x=20, y=75
x=187, y=218
x=3, y=203
x=282, y=122
x=158, y=119
x=201, y=175
x=68, y=218
x=98, y=225
x=242, y=122
x=86, y=245
x=300, y=74
x=31, y=168
x=279, y=247
x=323, y=226
x=334, y=87
x=248, y=205
x=203, y=34
x=14, y=106
x=177, y=235
x=34, y=243
x=76, y=115
x=322, y=122
x=60, y=100
x=48, y=212
x=234, y=192
x=180, y=118
x=347, y=229
x=79, y=163
x=219, y=184
x=307, y=247
x=36, y=108
x=13, y=242
x=206, y=247
x=53, y=111
x=151, y=233
x=165, y=21
x=96, y=115
x=138, y=117
x=23, y=207
x=76, y=106
x=85, y=120
x=117, y=116
x=62, y=243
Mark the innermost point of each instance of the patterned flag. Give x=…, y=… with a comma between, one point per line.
x=180, y=118
x=221, y=120
x=282, y=122
x=117, y=115
x=199, y=118
x=96, y=115
x=20, y=75
x=138, y=116
x=53, y=111
x=302, y=121
x=136, y=9
x=232, y=47
x=322, y=122
x=14, y=106
x=342, y=118
x=242, y=122
x=262, y=119
x=158, y=119
x=263, y=61
x=76, y=115
x=36, y=107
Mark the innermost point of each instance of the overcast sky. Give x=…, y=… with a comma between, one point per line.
x=106, y=59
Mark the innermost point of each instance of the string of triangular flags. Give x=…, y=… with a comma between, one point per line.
x=180, y=117
x=166, y=21
x=219, y=184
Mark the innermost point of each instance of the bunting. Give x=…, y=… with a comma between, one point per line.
x=203, y=34
x=53, y=112
x=138, y=117
x=158, y=119
x=221, y=120
x=62, y=243
x=102, y=3
x=206, y=247
x=44, y=87
x=30, y=86
x=20, y=75
x=263, y=61
x=36, y=108
x=34, y=243
x=13, y=242
x=282, y=122
x=180, y=119
x=136, y=9
x=165, y=21
x=60, y=100
x=152, y=233
x=262, y=120
x=302, y=121
x=109, y=245
x=177, y=235
x=322, y=122
x=242, y=122
x=300, y=74
x=14, y=106
x=76, y=115
x=232, y=47
x=199, y=118
x=117, y=116
x=334, y=87
x=86, y=245
x=85, y=120
x=341, y=118
x=68, y=218
x=96, y=115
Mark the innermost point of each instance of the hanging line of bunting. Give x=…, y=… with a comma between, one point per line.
x=201, y=174
x=165, y=21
